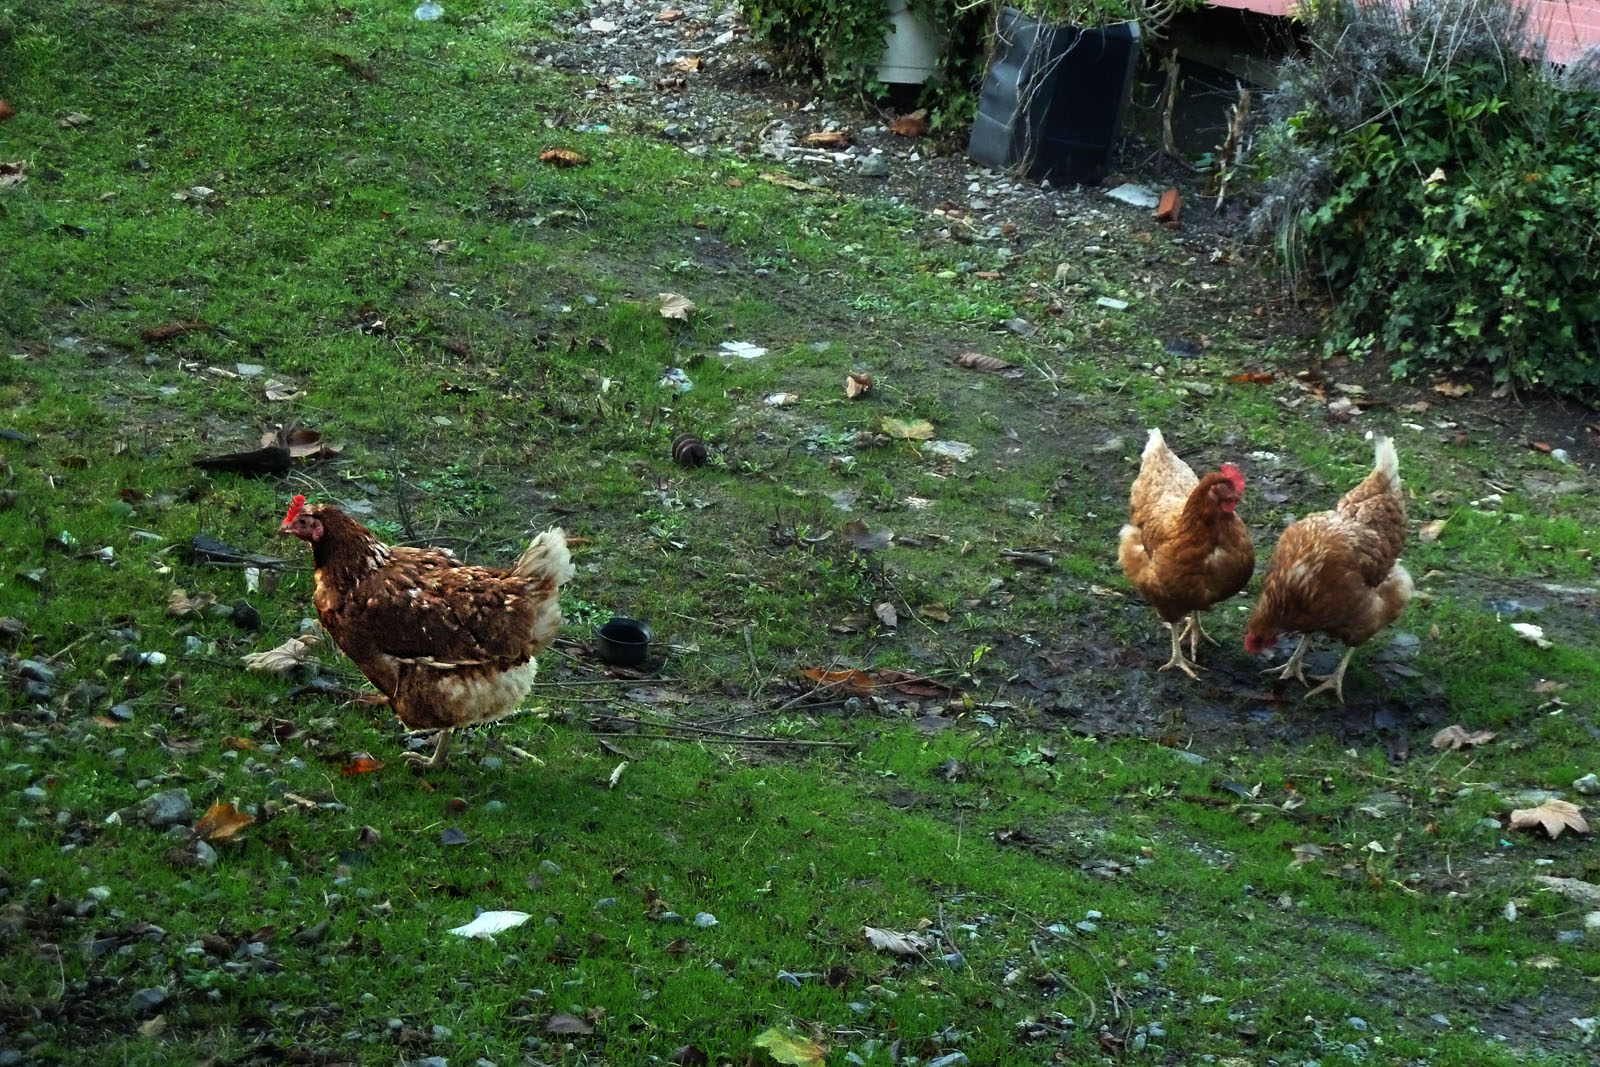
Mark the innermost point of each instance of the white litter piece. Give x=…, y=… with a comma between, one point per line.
x=742, y=349
x=1135, y=195
x=490, y=923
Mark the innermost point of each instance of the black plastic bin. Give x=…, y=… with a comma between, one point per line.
x=1054, y=97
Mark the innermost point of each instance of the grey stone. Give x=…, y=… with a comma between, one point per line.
x=167, y=808
x=148, y=999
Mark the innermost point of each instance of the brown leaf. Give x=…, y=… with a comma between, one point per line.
x=789, y=183
x=670, y=14
x=361, y=765
x=222, y=821
x=1540, y=446
x=886, y=614
x=284, y=659
x=688, y=64
x=676, y=306
x=568, y=1024
x=181, y=605
x=672, y=83
x=1553, y=816
x=831, y=139
x=6, y=111
x=154, y=335
x=1451, y=389
x=1429, y=532
x=849, y=681
x=679, y=946
x=912, y=125
x=979, y=361
x=563, y=157
x=1251, y=378
x=857, y=383
x=935, y=612
x=1455, y=737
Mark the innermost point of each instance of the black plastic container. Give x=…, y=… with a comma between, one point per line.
x=1054, y=97
x=624, y=642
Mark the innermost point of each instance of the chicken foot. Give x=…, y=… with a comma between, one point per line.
x=1334, y=681
x=1194, y=632
x=1293, y=668
x=1179, y=660
x=441, y=745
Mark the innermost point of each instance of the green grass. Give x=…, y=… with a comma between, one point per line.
x=484, y=389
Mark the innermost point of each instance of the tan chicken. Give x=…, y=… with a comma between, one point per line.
x=448, y=644
x=1184, y=547
x=1336, y=572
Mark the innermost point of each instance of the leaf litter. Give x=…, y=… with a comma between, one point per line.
x=1553, y=817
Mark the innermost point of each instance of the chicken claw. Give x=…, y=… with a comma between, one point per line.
x=1334, y=681
x=440, y=746
x=1195, y=632
x=1293, y=668
x=1179, y=660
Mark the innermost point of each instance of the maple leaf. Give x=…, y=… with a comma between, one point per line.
x=181, y=604
x=222, y=821
x=908, y=429
x=1553, y=816
x=676, y=306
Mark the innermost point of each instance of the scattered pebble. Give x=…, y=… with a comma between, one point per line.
x=148, y=999
x=169, y=807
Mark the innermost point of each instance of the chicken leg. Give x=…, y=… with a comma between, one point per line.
x=1195, y=632
x=441, y=745
x=1179, y=660
x=1293, y=668
x=1334, y=681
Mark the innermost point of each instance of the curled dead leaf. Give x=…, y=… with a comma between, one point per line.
x=789, y=183
x=831, y=139
x=676, y=306
x=562, y=1023
x=361, y=765
x=907, y=944
x=181, y=605
x=222, y=821
x=283, y=660
x=688, y=64
x=886, y=614
x=1429, y=532
x=1455, y=737
x=154, y=335
x=908, y=429
x=1553, y=816
x=856, y=383
x=6, y=111
x=979, y=361
x=1451, y=389
x=563, y=157
x=1251, y=378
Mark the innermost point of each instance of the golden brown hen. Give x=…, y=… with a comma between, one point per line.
x=1184, y=547
x=448, y=644
x=1337, y=572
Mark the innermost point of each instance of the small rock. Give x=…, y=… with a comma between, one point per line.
x=1588, y=785
x=36, y=671
x=491, y=763
x=433, y=1061
x=167, y=808
x=205, y=854
x=549, y=867
x=148, y=999
x=245, y=616
x=874, y=166
x=1357, y=1021
x=1569, y=937
x=705, y=919
x=950, y=1059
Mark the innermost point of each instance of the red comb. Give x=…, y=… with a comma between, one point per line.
x=294, y=509
x=1234, y=475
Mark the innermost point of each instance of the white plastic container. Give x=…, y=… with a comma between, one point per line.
x=911, y=48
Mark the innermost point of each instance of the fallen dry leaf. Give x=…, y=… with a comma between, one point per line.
x=563, y=157
x=441, y=246
x=1304, y=854
x=886, y=614
x=907, y=944
x=284, y=659
x=790, y=1048
x=1451, y=389
x=301, y=442
x=75, y=119
x=362, y=765
x=154, y=335
x=180, y=604
x=1456, y=737
x=222, y=821
x=6, y=111
x=1430, y=531
x=1553, y=816
x=676, y=306
x=908, y=429
x=563, y=1023
x=1541, y=446
x=670, y=14
x=831, y=139
x=279, y=391
x=1251, y=378
x=671, y=83
x=857, y=383
x=789, y=183
x=913, y=125
x=688, y=64
x=979, y=361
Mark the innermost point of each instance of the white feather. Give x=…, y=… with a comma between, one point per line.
x=492, y=922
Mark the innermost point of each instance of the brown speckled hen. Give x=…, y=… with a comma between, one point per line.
x=1337, y=572
x=448, y=644
x=1184, y=547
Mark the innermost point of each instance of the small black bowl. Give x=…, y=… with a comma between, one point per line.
x=624, y=642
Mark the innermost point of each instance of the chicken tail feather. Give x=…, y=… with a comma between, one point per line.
x=546, y=558
x=1154, y=443
x=1385, y=461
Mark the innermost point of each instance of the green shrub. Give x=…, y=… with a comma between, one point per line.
x=1443, y=185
